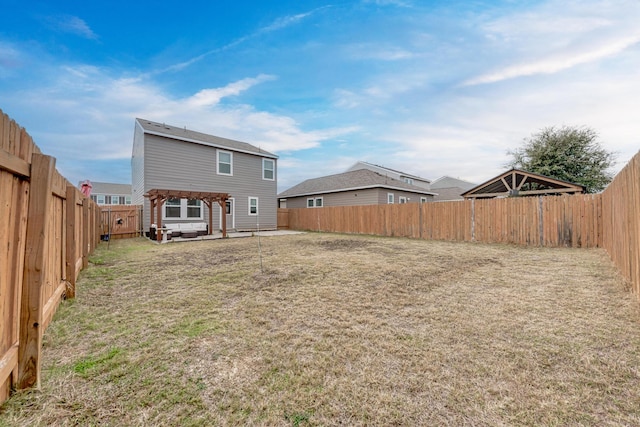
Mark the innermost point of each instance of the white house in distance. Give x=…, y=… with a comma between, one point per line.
x=176, y=158
x=107, y=193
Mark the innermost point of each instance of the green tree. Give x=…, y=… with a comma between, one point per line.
x=571, y=154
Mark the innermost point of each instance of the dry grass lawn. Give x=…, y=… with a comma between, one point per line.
x=340, y=330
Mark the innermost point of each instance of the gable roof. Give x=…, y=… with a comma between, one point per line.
x=354, y=180
x=516, y=182
x=184, y=134
x=449, y=182
x=393, y=171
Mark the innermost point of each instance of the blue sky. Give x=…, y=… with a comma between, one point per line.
x=428, y=87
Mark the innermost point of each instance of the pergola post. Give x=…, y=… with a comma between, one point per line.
x=222, y=204
x=159, y=203
x=152, y=205
x=210, y=230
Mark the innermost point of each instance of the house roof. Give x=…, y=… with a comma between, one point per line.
x=109, y=188
x=354, y=180
x=184, y=134
x=516, y=182
x=383, y=168
x=450, y=182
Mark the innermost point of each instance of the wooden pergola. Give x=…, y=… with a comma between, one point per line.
x=157, y=198
x=518, y=183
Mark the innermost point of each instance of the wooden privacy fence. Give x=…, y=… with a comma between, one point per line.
x=541, y=221
x=121, y=221
x=610, y=220
x=47, y=230
x=621, y=222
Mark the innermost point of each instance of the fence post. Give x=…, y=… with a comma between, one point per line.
x=541, y=220
x=85, y=230
x=473, y=219
x=72, y=236
x=29, y=351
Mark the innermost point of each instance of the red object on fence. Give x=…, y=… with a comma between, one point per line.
x=85, y=187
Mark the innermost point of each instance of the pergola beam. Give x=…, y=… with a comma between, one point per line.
x=157, y=197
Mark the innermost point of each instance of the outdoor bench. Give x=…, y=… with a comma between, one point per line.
x=187, y=229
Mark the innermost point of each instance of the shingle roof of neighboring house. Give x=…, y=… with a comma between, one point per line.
x=184, y=134
x=354, y=180
x=109, y=188
x=408, y=175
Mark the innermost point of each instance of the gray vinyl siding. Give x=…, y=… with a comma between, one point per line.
x=137, y=166
x=370, y=196
x=179, y=165
x=411, y=197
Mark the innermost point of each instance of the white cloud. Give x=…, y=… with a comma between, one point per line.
x=213, y=96
x=559, y=61
x=72, y=25
x=277, y=24
x=558, y=35
x=378, y=52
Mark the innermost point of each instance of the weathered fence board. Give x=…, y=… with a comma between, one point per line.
x=41, y=235
x=621, y=222
x=121, y=221
x=539, y=221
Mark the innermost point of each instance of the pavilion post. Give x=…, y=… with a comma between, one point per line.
x=152, y=205
x=224, y=217
x=159, y=204
x=210, y=206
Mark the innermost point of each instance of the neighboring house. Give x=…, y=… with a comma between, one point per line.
x=516, y=182
x=106, y=193
x=449, y=188
x=392, y=173
x=175, y=158
x=357, y=187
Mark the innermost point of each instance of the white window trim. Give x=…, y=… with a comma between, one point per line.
x=273, y=170
x=218, y=162
x=183, y=212
x=186, y=212
x=423, y=199
x=314, y=202
x=257, y=206
x=402, y=200
x=390, y=198
x=223, y=211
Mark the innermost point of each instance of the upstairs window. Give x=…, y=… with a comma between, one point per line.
x=268, y=169
x=225, y=163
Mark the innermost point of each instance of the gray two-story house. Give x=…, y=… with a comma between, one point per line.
x=176, y=158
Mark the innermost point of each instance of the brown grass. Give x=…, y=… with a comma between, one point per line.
x=340, y=330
